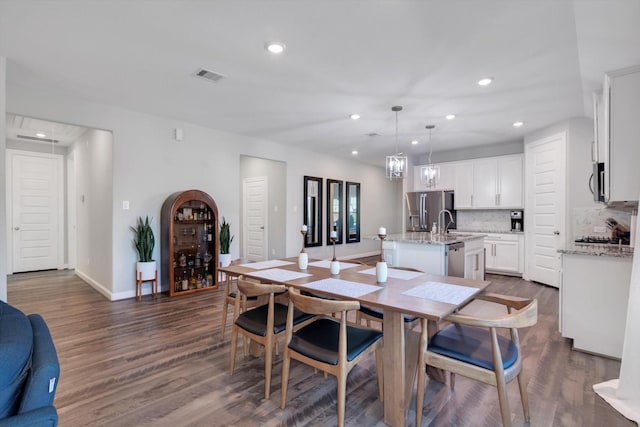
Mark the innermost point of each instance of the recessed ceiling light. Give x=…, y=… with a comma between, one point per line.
x=450, y=116
x=354, y=152
x=518, y=124
x=41, y=135
x=486, y=81
x=414, y=142
x=355, y=116
x=275, y=47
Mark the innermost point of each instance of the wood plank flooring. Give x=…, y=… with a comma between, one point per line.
x=162, y=363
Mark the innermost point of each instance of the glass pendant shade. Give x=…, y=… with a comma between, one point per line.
x=430, y=175
x=396, y=164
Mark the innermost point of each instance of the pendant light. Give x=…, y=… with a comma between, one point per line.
x=396, y=164
x=430, y=174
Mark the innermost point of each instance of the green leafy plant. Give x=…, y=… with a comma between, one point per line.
x=144, y=241
x=225, y=236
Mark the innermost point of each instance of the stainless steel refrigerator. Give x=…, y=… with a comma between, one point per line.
x=423, y=208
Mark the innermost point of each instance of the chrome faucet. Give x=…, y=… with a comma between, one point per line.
x=443, y=230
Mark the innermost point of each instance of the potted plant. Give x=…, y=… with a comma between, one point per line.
x=144, y=241
x=225, y=242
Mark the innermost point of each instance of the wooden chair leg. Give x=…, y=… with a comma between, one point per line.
x=523, y=396
x=422, y=373
x=285, y=378
x=342, y=393
x=268, y=359
x=452, y=380
x=234, y=341
x=379, y=373
x=504, y=401
x=225, y=313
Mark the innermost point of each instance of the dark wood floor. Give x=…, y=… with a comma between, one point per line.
x=162, y=363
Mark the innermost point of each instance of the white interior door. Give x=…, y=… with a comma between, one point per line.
x=545, y=177
x=34, y=195
x=255, y=218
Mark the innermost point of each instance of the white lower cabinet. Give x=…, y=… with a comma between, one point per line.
x=594, y=295
x=474, y=259
x=504, y=253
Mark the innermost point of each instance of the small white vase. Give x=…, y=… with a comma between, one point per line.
x=303, y=260
x=381, y=272
x=146, y=269
x=335, y=267
x=224, y=260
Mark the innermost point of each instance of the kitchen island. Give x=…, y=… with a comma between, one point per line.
x=594, y=294
x=433, y=255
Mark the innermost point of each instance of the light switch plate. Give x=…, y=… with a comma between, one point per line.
x=125, y=205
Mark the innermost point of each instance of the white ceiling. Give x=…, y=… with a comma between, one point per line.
x=342, y=56
x=20, y=128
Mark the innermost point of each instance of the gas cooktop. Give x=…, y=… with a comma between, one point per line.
x=599, y=240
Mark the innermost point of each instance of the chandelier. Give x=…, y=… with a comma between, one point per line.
x=430, y=174
x=397, y=164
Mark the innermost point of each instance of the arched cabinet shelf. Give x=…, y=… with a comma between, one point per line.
x=189, y=227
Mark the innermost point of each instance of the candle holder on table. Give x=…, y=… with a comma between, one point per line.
x=335, y=264
x=303, y=258
x=381, y=266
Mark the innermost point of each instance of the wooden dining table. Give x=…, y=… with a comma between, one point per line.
x=418, y=294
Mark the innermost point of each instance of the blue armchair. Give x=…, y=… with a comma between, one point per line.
x=29, y=370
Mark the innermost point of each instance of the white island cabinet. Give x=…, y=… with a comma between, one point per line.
x=594, y=296
x=418, y=250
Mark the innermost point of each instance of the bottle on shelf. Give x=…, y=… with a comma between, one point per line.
x=185, y=281
x=192, y=279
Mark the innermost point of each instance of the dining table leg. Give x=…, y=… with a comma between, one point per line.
x=400, y=357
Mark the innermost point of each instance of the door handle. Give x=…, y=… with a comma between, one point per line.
x=262, y=228
x=16, y=228
x=557, y=233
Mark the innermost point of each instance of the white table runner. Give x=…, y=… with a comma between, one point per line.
x=442, y=292
x=341, y=287
x=279, y=274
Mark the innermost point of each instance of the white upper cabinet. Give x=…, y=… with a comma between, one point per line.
x=621, y=96
x=463, y=186
x=491, y=183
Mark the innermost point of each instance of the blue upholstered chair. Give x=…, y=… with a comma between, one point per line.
x=470, y=346
x=261, y=324
x=29, y=370
x=329, y=344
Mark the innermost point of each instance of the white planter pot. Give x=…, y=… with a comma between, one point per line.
x=224, y=260
x=147, y=269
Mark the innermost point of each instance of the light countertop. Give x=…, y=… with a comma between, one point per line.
x=599, y=250
x=425, y=238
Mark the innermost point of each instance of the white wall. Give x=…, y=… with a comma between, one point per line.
x=3, y=180
x=148, y=165
x=92, y=154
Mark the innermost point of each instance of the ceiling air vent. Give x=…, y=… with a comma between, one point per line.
x=208, y=75
x=33, y=138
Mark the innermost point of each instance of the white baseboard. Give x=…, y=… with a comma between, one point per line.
x=95, y=285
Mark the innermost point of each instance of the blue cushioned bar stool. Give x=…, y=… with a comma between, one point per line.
x=471, y=346
x=261, y=324
x=329, y=344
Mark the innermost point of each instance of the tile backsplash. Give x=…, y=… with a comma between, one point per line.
x=486, y=220
x=583, y=220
